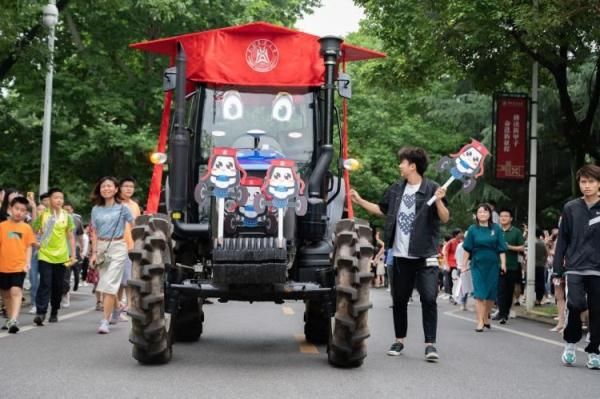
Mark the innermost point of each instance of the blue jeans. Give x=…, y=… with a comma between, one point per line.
x=34, y=276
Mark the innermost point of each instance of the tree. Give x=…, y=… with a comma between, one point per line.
x=493, y=43
x=107, y=97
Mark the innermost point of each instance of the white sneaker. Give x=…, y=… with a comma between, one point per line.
x=593, y=362
x=33, y=310
x=512, y=314
x=569, y=355
x=66, y=302
x=85, y=284
x=104, y=327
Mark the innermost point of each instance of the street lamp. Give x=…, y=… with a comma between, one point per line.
x=50, y=19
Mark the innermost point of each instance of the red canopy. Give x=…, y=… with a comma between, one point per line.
x=255, y=54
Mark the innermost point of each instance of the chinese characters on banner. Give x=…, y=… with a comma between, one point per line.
x=511, y=137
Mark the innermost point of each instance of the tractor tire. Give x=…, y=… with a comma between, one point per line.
x=352, y=255
x=188, y=323
x=151, y=333
x=317, y=323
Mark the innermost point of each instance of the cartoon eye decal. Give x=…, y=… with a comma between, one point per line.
x=283, y=107
x=476, y=159
x=218, y=164
x=277, y=175
x=233, y=108
x=229, y=165
x=288, y=176
x=469, y=153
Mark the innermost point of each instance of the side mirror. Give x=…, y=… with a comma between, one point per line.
x=344, y=85
x=169, y=79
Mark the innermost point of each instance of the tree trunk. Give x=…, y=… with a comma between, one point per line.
x=577, y=161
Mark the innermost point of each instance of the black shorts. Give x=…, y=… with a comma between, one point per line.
x=9, y=280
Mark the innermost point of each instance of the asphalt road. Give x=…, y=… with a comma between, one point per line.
x=257, y=351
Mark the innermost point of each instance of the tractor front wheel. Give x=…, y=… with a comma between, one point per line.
x=352, y=258
x=151, y=333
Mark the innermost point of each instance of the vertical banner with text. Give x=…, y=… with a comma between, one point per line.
x=511, y=135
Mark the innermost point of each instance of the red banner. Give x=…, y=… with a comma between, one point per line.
x=511, y=137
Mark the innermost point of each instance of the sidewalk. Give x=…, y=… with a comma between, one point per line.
x=543, y=314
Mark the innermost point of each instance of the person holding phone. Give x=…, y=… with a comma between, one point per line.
x=485, y=246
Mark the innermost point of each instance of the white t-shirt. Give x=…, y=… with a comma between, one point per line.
x=404, y=221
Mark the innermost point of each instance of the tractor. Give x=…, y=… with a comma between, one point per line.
x=246, y=202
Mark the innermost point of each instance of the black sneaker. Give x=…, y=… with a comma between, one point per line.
x=395, y=349
x=503, y=320
x=53, y=318
x=39, y=320
x=431, y=354
x=13, y=327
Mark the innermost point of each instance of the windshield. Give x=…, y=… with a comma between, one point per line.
x=263, y=124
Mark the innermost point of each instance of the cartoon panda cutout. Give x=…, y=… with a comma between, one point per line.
x=223, y=176
x=466, y=165
x=283, y=187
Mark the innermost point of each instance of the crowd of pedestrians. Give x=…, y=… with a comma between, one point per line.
x=47, y=247
x=49, y=243
x=487, y=262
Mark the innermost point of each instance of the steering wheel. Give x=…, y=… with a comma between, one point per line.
x=248, y=140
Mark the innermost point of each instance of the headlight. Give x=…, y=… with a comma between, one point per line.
x=158, y=158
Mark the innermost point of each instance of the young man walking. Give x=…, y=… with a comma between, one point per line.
x=507, y=281
x=578, y=257
x=57, y=247
x=411, y=232
x=16, y=240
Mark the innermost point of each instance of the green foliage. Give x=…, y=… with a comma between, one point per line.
x=492, y=43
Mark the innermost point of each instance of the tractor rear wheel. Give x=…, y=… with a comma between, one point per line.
x=151, y=333
x=352, y=256
x=188, y=323
x=317, y=323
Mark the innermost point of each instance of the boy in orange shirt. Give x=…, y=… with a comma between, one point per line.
x=16, y=240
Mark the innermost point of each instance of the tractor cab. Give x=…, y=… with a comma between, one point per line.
x=244, y=208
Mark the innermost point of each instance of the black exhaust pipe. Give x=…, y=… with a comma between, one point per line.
x=314, y=224
x=179, y=142
x=330, y=51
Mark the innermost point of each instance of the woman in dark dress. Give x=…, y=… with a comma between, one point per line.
x=485, y=245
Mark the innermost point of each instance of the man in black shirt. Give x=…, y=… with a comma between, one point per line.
x=411, y=234
x=578, y=257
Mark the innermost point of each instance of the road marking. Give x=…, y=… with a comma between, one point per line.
x=288, y=311
x=306, y=347
x=510, y=330
x=65, y=317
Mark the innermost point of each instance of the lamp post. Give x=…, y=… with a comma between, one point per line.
x=50, y=19
x=532, y=206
